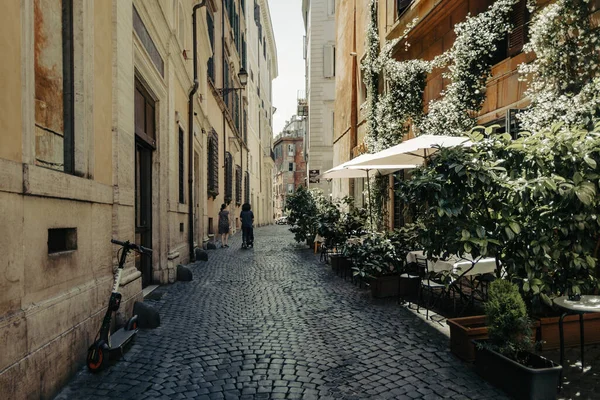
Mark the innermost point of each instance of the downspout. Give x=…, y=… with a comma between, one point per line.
x=224, y=65
x=354, y=100
x=191, y=133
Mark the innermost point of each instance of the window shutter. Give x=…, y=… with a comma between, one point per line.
x=328, y=61
x=247, y=187
x=228, y=178
x=213, y=164
x=518, y=36
x=238, y=185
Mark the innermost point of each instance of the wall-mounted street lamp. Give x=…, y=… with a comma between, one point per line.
x=243, y=77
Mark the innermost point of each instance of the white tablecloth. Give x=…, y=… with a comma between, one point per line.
x=456, y=264
x=460, y=266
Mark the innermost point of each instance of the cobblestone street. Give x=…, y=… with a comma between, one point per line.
x=274, y=323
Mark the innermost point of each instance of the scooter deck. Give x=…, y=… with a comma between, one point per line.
x=121, y=337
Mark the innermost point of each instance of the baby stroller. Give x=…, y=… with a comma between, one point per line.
x=247, y=237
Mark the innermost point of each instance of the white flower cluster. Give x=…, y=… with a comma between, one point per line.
x=564, y=78
x=471, y=58
x=371, y=68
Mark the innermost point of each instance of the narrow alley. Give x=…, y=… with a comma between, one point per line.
x=274, y=323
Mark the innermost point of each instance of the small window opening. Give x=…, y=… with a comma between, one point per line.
x=62, y=239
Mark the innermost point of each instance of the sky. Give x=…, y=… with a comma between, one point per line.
x=288, y=25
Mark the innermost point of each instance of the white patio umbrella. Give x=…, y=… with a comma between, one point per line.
x=362, y=171
x=412, y=151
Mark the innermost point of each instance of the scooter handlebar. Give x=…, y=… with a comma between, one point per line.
x=133, y=246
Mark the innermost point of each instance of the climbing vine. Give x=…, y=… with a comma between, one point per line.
x=371, y=68
x=564, y=81
x=471, y=60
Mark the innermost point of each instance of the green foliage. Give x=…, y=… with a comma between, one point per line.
x=373, y=255
x=531, y=203
x=302, y=211
x=509, y=327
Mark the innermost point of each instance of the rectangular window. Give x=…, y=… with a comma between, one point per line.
x=54, y=85
x=63, y=239
x=247, y=187
x=228, y=177
x=213, y=164
x=520, y=19
x=290, y=188
x=304, y=49
x=401, y=6
x=330, y=7
x=238, y=185
x=147, y=42
x=329, y=61
x=290, y=166
x=291, y=149
x=181, y=167
x=211, y=36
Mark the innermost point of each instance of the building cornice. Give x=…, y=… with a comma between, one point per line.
x=270, y=36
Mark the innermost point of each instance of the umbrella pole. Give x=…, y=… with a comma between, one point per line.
x=369, y=194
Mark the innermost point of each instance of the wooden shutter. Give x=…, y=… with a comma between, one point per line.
x=519, y=18
x=228, y=178
x=238, y=185
x=213, y=164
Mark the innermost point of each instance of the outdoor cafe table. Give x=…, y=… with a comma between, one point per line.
x=461, y=266
x=587, y=304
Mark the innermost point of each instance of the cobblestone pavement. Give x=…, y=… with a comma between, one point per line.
x=273, y=323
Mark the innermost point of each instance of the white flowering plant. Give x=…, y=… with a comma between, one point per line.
x=564, y=77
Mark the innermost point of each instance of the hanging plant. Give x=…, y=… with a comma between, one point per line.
x=471, y=60
x=564, y=78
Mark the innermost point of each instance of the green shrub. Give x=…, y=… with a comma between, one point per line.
x=508, y=324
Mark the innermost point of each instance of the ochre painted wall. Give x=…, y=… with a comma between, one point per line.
x=10, y=81
x=103, y=57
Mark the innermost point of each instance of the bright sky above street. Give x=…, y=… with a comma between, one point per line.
x=289, y=32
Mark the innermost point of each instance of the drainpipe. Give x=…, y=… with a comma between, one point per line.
x=191, y=133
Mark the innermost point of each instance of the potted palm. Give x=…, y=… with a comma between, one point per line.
x=505, y=359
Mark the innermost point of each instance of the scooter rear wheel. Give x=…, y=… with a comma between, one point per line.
x=97, y=358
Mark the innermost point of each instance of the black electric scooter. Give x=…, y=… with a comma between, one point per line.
x=99, y=352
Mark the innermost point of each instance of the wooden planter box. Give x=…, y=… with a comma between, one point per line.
x=550, y=336
x=462, y=333
x=538, y=382
x=409, y=287
x=384, y=286
x=466, y=329
x=336, y=261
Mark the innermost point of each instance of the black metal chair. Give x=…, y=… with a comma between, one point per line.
x=410, y=272
x=431, y=284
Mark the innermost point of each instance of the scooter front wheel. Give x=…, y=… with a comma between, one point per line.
x=97, y=357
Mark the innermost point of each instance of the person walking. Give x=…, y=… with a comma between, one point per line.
x=247, y=217
x=224, y=225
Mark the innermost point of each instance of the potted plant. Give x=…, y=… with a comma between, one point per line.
x=350, y=225
x=374, y=260
x=505, y=359
x=302, y=215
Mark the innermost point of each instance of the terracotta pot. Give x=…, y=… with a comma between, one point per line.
x=384, y=286
x=462, y=333
x=550, y=337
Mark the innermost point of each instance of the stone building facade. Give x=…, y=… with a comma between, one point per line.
x=96, y=144
x=319, y=24
x=290, y=165
x=432, y=35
